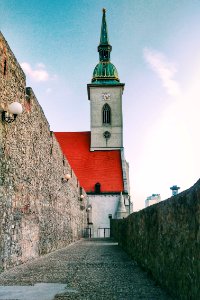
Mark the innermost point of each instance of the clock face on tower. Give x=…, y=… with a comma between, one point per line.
x=106, y=96
x=107, y=134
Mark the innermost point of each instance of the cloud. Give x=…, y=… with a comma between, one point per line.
x=164, y=69
x=41, y=65
x=38, y=74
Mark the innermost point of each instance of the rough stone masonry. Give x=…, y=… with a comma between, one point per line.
x=39, y=212
x=165, y=240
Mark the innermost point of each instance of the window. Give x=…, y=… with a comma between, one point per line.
x=97, y=188
x=106, y=114
x=4, y=67
x=27, y=103
x=105, y=54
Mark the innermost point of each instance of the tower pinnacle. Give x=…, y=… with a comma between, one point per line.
x=104, y=30
x=105, y=71
x=104, y=48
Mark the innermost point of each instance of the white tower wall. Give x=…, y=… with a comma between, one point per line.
x=100, y=95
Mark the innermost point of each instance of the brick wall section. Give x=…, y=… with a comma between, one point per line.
x=165, y=240
x=38, y=212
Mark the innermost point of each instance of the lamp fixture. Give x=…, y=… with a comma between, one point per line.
x=10, y=112
x=66, y=177
x=89, y=207
x=82, y=197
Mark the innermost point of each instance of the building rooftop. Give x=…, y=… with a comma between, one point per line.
x=92, y=167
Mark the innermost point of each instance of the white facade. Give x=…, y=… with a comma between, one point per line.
x=102, y=207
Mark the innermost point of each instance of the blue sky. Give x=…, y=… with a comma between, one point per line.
x=156, y=49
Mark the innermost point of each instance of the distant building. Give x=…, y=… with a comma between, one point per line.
x=153, y=199
x=174, y=189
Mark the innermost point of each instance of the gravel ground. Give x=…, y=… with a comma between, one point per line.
x=91, y=269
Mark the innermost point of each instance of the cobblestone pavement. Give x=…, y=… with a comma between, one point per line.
x=90, y=269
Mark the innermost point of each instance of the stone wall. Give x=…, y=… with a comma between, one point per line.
x=39, y=212
x=165, y=240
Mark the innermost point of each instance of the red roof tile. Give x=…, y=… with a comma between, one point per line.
x=91, y=166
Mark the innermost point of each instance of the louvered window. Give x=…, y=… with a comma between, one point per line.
x=106, y=114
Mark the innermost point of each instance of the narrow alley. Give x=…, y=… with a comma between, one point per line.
x=88, y=269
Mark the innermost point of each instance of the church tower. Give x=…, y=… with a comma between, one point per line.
x=97, y=156
x=105, y=95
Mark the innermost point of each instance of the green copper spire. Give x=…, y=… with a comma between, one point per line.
x=104, y=30
x=105, y=72
x=104, y=48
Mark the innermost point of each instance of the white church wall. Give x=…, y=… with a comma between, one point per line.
x=102, y=207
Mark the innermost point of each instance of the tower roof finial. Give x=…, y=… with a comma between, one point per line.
x=104, y=30
x=105, y=71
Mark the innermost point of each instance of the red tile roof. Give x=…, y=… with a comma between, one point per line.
x=91, y=166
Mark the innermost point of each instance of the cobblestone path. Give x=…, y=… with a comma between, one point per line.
x=90, y=269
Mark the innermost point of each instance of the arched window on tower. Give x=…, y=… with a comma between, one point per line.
x=106, y=114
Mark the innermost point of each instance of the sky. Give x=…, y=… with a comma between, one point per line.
x=156, y=50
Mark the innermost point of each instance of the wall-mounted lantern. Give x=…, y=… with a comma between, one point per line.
x=66, y=177
x=89, y=214
x=89, y=208
x=82, y=197
x=10, y=112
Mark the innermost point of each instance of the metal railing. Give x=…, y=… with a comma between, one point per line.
x=103, y=232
